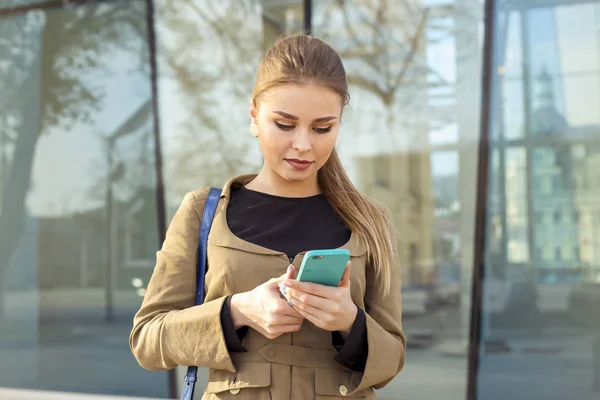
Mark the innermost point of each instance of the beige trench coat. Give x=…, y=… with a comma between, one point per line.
x=169, y=330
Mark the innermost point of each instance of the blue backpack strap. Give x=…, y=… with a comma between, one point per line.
x=208, y=214
x=210, y=207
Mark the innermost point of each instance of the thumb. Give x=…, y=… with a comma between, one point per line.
x=345, y=282
x=291, y=272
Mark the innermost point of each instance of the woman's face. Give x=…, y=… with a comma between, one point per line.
x=298, y=126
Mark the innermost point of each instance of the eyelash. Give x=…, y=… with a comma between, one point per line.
x=290, y=127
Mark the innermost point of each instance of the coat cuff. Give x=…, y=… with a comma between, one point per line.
x=384, y=361
x=179, y=342
x=353, y=352
x=233, y=338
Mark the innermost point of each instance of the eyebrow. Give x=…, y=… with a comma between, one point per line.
x=293, y=117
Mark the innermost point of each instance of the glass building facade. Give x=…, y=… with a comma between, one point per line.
x=477, y=123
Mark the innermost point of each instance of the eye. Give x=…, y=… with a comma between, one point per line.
x=284, y=127
x=322, y=130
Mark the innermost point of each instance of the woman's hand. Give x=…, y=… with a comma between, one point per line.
x=329, y=308
x=264, y=310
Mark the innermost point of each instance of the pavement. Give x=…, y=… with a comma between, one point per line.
x=25, y=394
x=78, y=351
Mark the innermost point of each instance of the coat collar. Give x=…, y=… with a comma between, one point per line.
x=221, y=235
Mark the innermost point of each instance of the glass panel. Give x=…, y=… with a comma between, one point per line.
x=205, y=90
x=542, y=36
x=576, y=42
x=446, y=134
x=582, y=111
x=205, y=146
x=408, y=71
x=542, y=286
x=511, y=32
x=16, y=3
x=516, y=206
x=78, y=227
x=512, y=99
x=496, y=226
x=510, y=77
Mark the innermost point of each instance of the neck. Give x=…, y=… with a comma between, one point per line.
x=270, y=182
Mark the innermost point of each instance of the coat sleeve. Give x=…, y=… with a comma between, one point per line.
x=169, y=330
x=386, y=341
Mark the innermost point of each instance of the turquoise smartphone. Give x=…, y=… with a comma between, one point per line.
x=325, y=267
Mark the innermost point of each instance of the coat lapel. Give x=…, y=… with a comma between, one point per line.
x=221, y=235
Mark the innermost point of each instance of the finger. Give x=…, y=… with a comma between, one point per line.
x=312, y=288
x=279, y=329
x=290, y=273
x=330, y=294
x=345, y=282
x=284, y=308
x=287, y=319
x=311, y=318
x=274, y=282
x=273, y=334
x=321, y=303
x=314, y=315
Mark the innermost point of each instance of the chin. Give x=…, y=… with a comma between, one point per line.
x=297, y=176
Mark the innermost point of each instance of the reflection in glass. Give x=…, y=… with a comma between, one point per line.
x=209, y=51
x=516, y=206
x=541, y=326
x=208, y=54
x=412, y=66
x=512, y=92
x=582, y=111
x=17, y=3
x=78, y=219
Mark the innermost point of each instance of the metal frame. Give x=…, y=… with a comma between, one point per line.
x=160, y=188
x=308, y=17
x=481, y=201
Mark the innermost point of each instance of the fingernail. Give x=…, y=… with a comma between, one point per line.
x=289, y=268
x=290, y=303
x=282, y=289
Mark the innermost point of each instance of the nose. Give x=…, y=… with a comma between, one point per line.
x=302, y=141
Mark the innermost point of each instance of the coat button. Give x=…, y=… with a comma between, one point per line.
x=234, y=391
x=343, y=390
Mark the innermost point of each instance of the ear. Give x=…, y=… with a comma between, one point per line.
x=253, y=110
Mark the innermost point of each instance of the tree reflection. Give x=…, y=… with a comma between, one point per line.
x=52, y=62
x=210, y=49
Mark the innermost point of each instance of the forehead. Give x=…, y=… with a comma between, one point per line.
x=306, y=101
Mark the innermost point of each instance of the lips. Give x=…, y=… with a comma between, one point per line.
x=298, y=164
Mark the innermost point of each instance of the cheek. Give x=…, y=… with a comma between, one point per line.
x=272, y=143
x=326, y=146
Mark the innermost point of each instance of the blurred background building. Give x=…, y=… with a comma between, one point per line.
x=111, y=110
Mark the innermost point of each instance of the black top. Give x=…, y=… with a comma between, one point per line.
x=265, y=220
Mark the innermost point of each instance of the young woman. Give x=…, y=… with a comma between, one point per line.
x=319, y=341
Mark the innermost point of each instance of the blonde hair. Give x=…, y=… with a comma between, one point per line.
x=305, y=59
